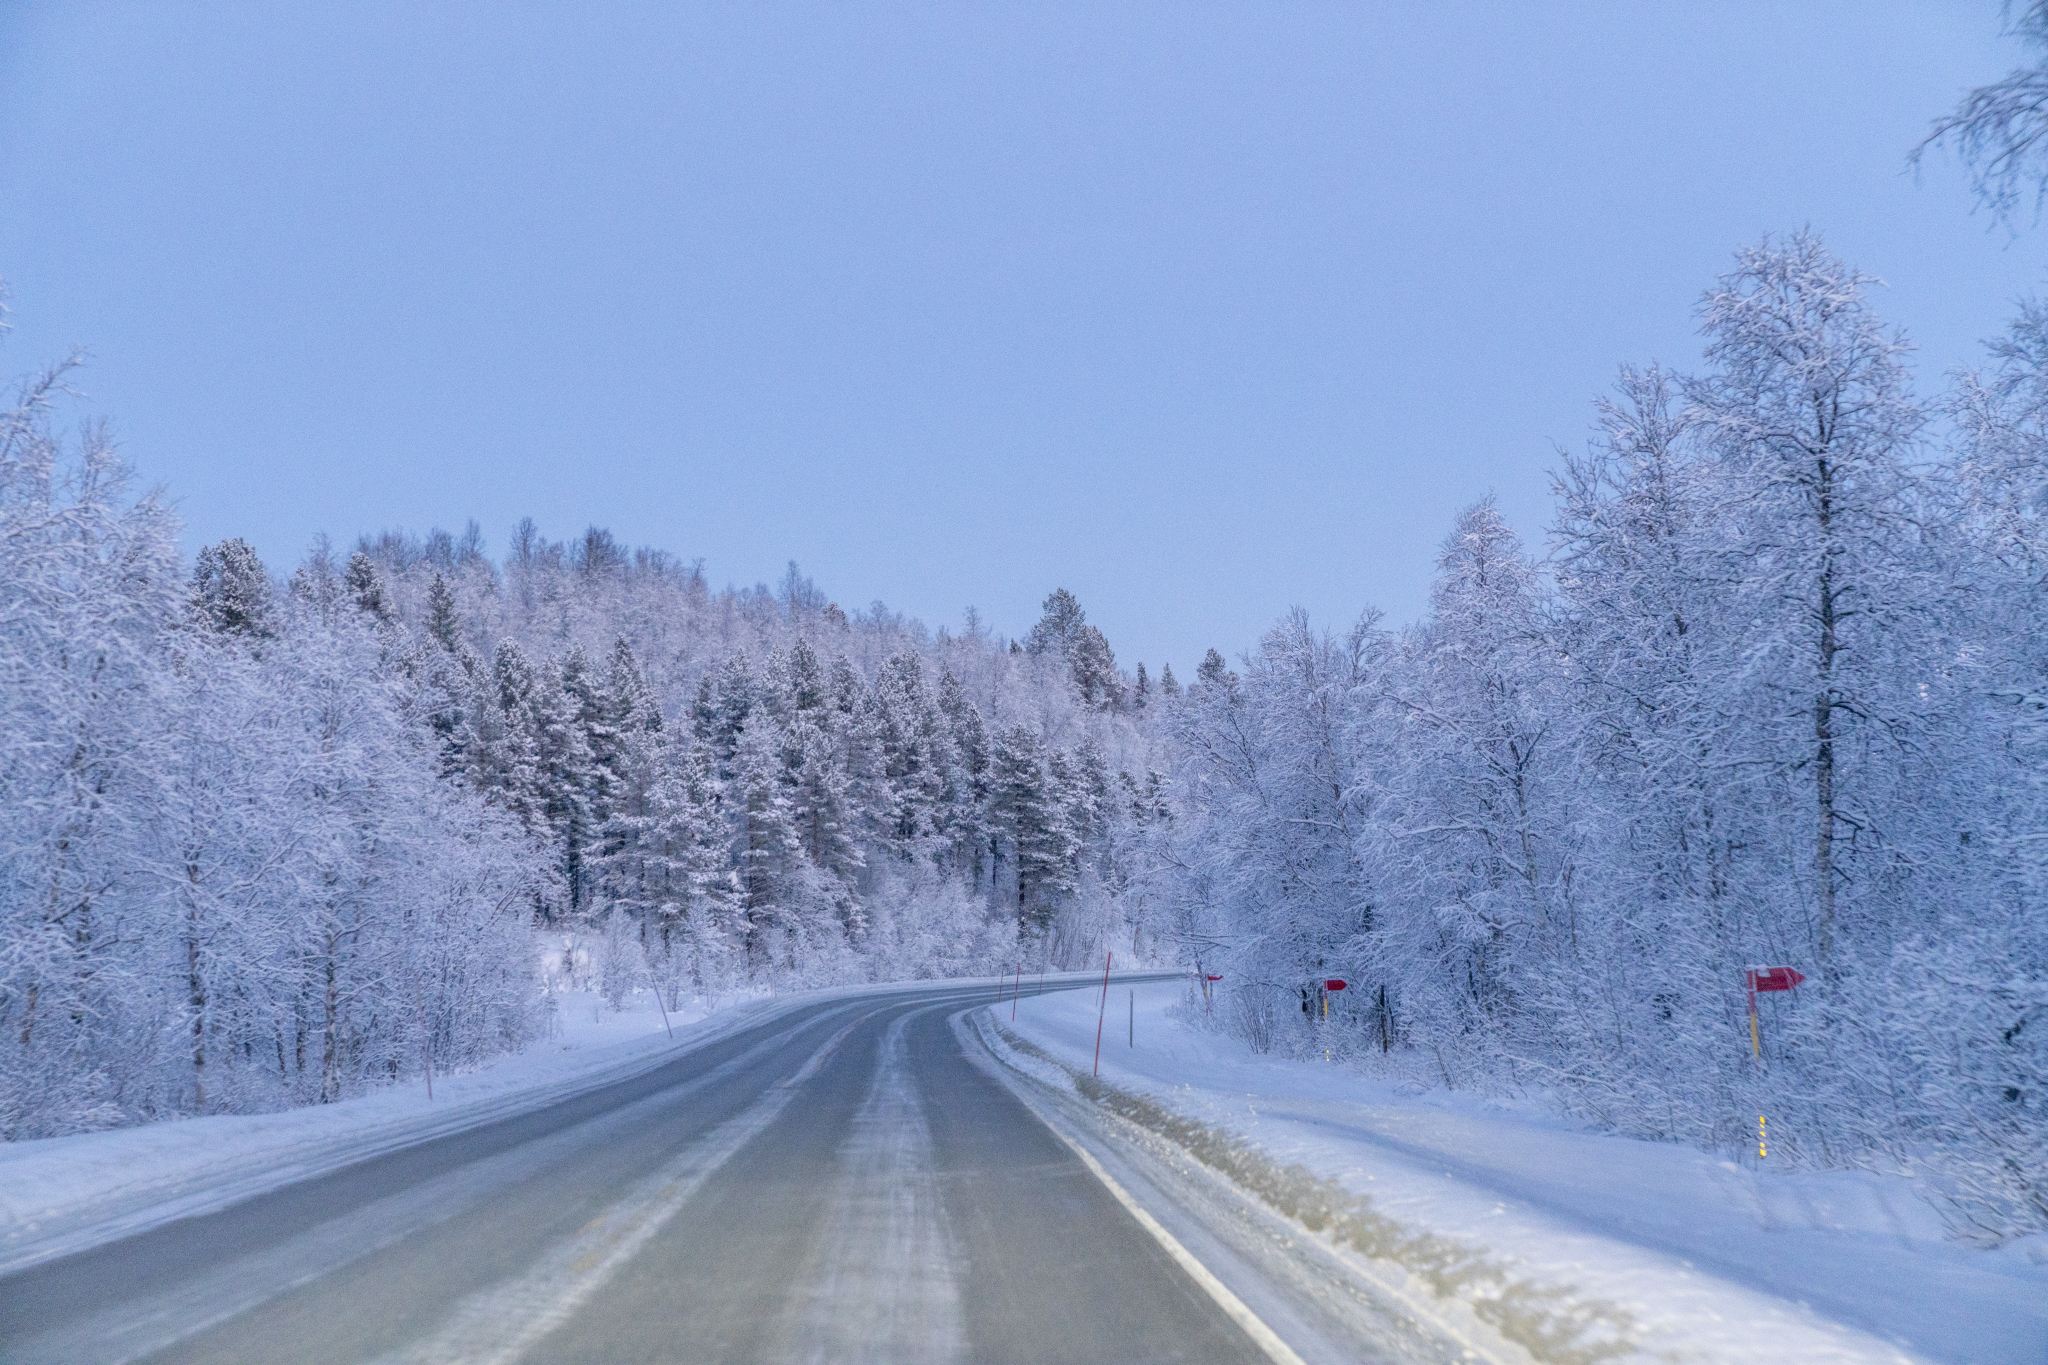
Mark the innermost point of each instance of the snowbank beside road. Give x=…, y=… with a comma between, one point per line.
x=1701, y=1259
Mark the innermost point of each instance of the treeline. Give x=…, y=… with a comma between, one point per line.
x=266, y=841
x=1779, y=696
x=760, y=785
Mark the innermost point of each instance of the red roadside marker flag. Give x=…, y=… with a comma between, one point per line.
x=1335, y=984
x=1774, y=978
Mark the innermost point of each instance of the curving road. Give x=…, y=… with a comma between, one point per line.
x=842, y=1184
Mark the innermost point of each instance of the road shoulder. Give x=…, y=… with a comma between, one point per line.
x=1508, y=1277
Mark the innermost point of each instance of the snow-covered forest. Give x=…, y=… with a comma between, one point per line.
x=270, y=838
x=1775, y=695
x=1774, y=691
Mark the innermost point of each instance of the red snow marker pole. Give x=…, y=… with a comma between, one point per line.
x=1107, y=959
x=1013, y=992
x=1766, y=979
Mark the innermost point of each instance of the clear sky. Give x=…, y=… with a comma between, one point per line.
x=1203, y=311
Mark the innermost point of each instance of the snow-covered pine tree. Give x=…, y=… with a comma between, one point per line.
x=505, y=751
x=231, y=590
x=767, y=846
x=569, y=719
x=366, y=586
x=1059, y=625
x=965, y=802
x=444, y=623
x=1030, y=828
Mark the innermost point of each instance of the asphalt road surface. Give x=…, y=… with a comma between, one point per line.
x=842, y=1184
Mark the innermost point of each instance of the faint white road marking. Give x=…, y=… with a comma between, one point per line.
x=497, y=1325
x=881, y=1287
x=1267, y=1340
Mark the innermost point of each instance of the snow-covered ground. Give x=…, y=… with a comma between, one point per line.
x=1699, y=1259
x=61, y=1194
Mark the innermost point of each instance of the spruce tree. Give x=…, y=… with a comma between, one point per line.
x=366, y=586
x=1029, y=825
x=231, y=591
x=1094, y=668
x=816, y=785
x=733, y=704
x=966, y=797
x=1059, y=627
x=569, y=775
x=502, y=758
x=809, y=690
x=766, y=843
x=443, y=625
x=448, y=688
x=666, y=859
x=906, y=726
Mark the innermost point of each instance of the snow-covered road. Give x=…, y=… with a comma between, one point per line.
x=841, y=1181
x=899, y=1174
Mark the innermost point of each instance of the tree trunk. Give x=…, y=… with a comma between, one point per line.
x=195, y=982
x=1824, y=724
x=1824, y=834
x=330, y=1043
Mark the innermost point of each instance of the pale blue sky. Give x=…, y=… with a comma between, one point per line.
x=1200, y=310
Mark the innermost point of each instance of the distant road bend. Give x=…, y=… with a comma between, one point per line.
x=850, y=1182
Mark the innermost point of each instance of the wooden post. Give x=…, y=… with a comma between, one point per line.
x=1101, y=1009
x=1013, y=992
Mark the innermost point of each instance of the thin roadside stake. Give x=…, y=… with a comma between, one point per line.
x=1101, y=1009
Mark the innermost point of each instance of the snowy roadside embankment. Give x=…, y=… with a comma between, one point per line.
x=1660, y=1251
